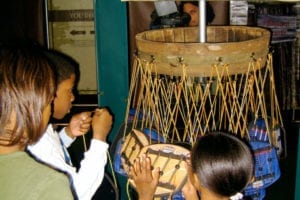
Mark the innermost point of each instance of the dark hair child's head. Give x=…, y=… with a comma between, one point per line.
x=64, y=65
x=223, y=163
x=27, y=86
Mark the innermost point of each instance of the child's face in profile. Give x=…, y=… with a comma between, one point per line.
x=64, y=97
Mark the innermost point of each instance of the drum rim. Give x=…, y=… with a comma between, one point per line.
x=199, y=56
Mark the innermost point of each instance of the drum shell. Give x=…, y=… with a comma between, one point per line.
x=234, y=46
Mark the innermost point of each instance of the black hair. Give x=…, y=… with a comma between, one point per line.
x=27, y=86
x=210, y=13
x=223, y=163
x=64, y=65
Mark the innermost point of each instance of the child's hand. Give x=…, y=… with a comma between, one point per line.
x=102, y=123
x=188, y=190
x=79, y=124
x=144, y=178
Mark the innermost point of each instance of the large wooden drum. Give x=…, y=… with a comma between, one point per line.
x=231, y=45
x=183, y=88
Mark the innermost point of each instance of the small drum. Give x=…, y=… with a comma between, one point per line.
x=131, y=148
x=267, y=169
x=116, y=146
x=258, y=132
x=171, y=161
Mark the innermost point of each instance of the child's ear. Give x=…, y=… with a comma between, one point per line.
x=252, y=179
x=195, y=181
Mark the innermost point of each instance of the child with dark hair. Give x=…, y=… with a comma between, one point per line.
x=27, y=88
x=191, y=8
x=220, y=167
x=52, y=147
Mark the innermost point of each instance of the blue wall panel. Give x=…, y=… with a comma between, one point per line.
x=112, y=63
x=112, y=57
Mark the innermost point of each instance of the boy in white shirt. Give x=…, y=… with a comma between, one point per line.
x=49, y=148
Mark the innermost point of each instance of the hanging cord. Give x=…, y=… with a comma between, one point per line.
x=109, y=162
x=127, y=190
x=84, y=143
x=112, y=169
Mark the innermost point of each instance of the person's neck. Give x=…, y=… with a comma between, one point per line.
x=10, y=149
x=208, y=195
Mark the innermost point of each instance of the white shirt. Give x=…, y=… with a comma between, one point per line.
x=90, y=175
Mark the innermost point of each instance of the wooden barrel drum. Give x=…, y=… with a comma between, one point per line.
x=184, y=88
